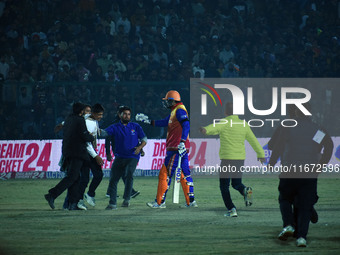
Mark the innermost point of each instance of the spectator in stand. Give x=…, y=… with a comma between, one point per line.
x=118, y=65
x=104, y=61
x=62, y=62
x=82, y=73
x=211, y=71
x=4, y=67
x=231, y=70
x=98, y=75
x=226, y=55
x=283, y=38
x=125, y=23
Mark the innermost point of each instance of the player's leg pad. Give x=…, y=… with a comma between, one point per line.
x=163, y=184
x=188, y=188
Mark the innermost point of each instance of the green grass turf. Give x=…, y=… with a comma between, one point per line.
x=29, y=226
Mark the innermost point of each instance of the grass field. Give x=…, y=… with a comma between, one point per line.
x=29, y=226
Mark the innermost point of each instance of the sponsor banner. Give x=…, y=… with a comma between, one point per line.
x=29, y=155
x=32, y=175
x=39, y=159
x=41, y=175
x=58, y=175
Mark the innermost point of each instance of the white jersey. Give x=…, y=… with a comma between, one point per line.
x=93, y=128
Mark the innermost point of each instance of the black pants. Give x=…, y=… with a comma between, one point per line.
x=301, y=193
x=97, y=173
x=122, y=167
x=70, y=181
x=234, y=177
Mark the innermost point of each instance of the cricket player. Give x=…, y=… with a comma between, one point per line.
x=177, y=145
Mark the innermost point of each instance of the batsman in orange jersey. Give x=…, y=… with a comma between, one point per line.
x=177, y=145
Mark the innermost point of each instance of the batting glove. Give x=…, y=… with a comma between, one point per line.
x=181, y=149
x=143, y=118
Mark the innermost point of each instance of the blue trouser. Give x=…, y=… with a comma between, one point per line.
x=122, y=167
x=167, y=172
x=301, y=193
x=235, y=178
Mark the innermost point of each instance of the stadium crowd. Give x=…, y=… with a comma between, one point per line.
x=54, y=53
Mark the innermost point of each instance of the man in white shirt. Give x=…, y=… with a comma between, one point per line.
x=96, y=161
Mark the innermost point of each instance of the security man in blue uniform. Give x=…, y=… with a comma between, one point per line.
x=110, y=145
x=129, y=141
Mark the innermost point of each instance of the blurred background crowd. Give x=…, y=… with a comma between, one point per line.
x=56, y=52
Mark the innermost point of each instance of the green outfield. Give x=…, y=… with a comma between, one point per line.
x=29, y=226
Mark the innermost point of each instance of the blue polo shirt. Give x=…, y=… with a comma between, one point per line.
x=126, y=138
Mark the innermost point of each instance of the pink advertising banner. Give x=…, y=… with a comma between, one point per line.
x=43, y=155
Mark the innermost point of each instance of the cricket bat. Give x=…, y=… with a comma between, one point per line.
x=177, y=181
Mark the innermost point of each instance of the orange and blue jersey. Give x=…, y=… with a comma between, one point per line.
x=178, y=130
x=178, y=127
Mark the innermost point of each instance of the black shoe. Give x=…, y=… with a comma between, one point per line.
x=73, y=207
x=135, y=193
x=126, y=203
x=50, y=200
x=66, y=206
x=314, y=217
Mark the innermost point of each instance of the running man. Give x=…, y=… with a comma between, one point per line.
x=232, y=154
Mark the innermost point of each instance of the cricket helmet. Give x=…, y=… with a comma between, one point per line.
x=172, y=95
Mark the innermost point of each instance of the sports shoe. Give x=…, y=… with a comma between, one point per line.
x=108, y=195
x=111, y=207
x=248, y=196
x=301, y=242
x=231, y=213
x=81, y=205
x=135, y=193
x=50, y=200
x=73, y=207
x=155, y=205
x=126, y=203
x=314, y=217
x=192, y=204
x=286, y=232
x=90, y=200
